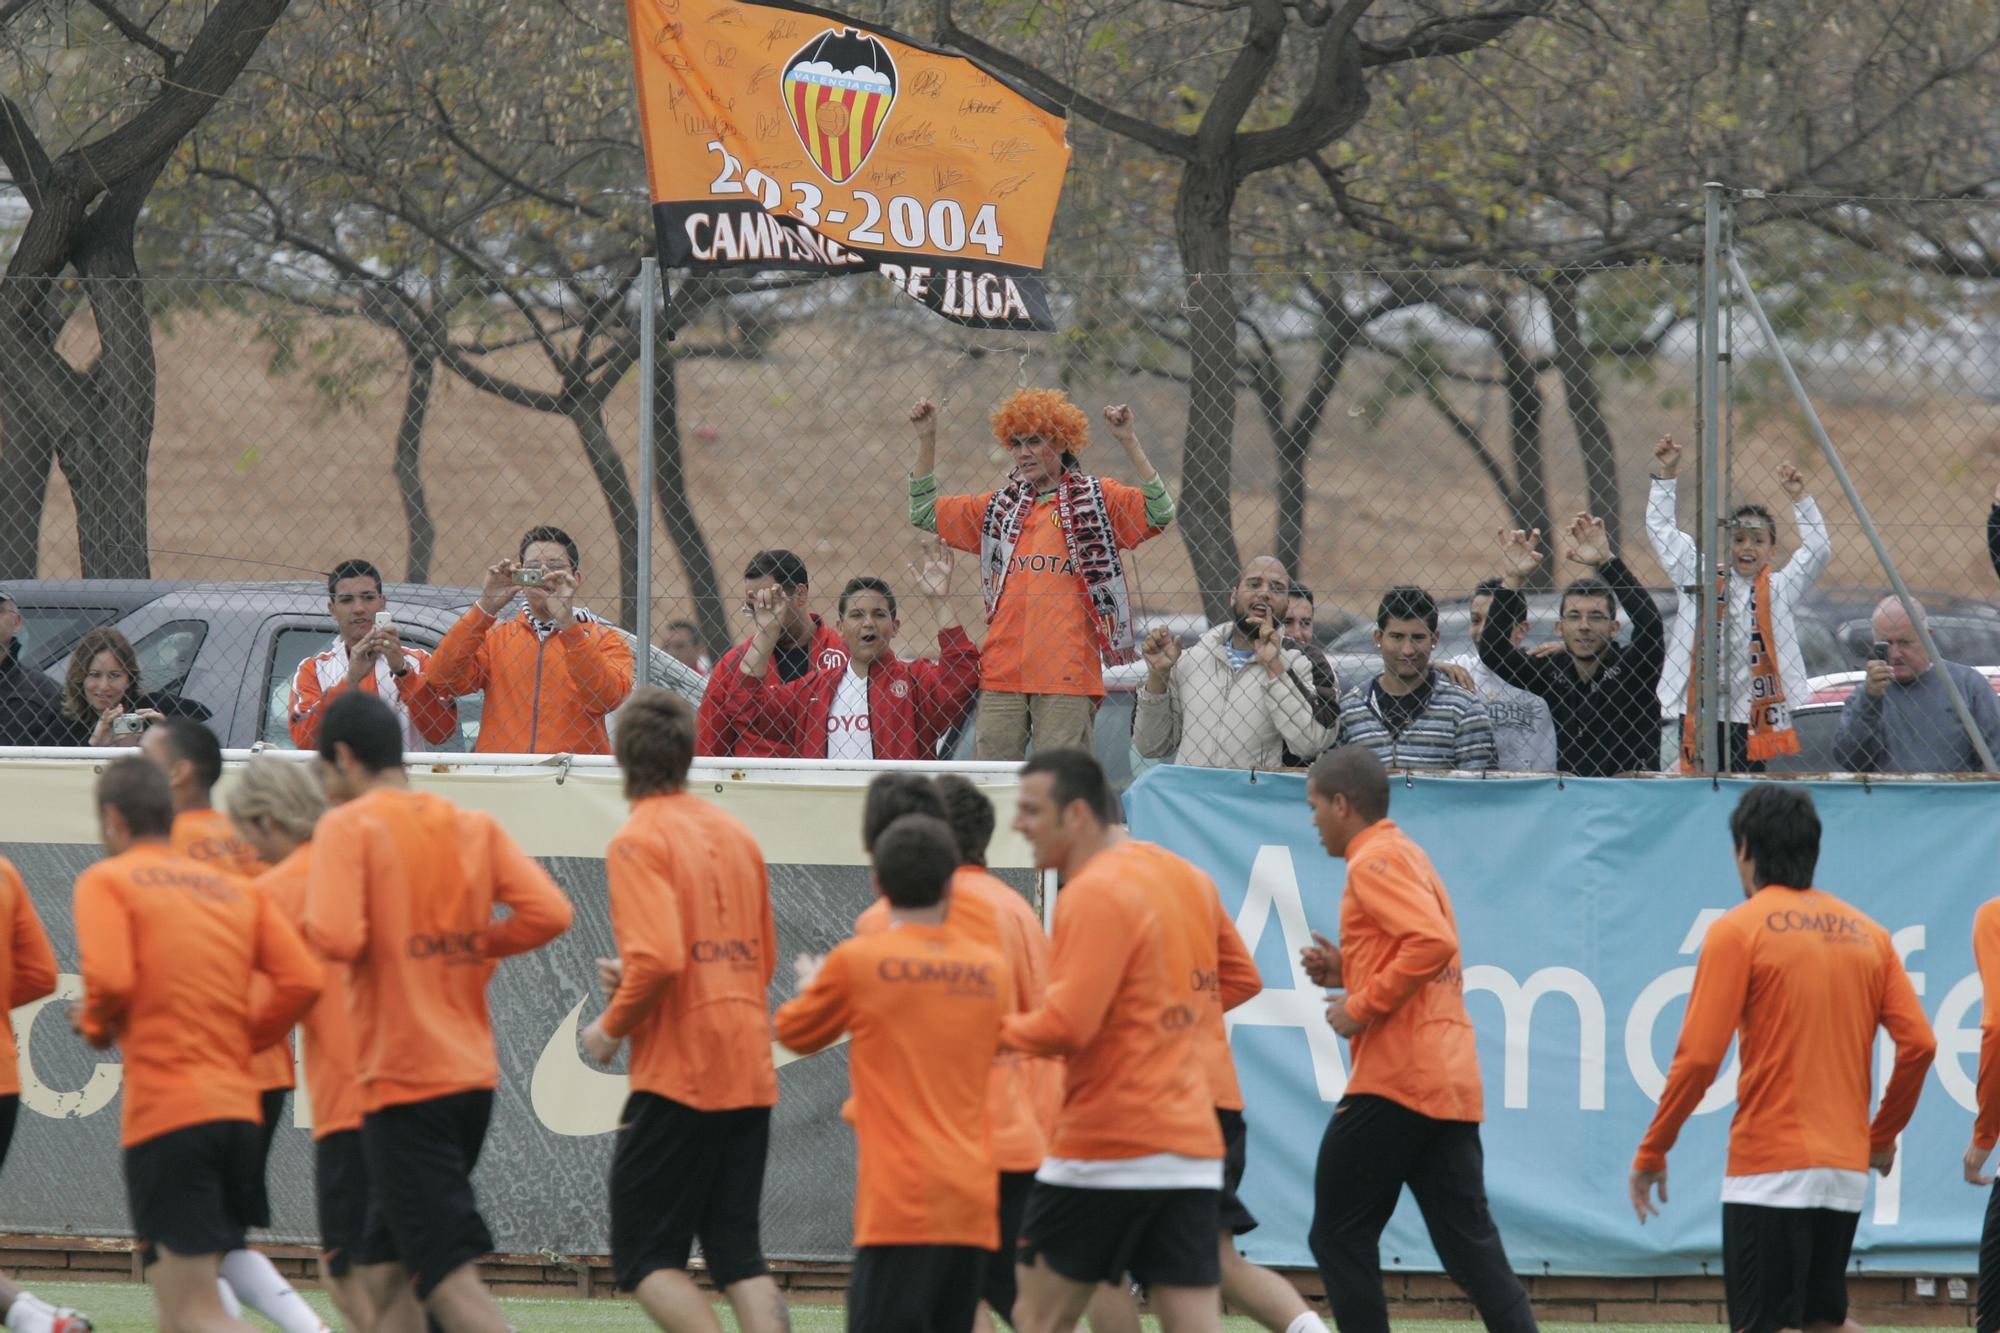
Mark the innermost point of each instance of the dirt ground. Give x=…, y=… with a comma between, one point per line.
x=807, y=447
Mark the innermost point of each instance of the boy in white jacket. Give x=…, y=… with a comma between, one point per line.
x=1761, y=682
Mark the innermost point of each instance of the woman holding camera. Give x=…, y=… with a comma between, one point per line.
x=102, y=702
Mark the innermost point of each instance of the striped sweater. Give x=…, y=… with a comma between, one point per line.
x=1452, y=732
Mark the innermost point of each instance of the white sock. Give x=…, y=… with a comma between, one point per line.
x=264, y=1289
x=1307, y=1323
x=30, y=1315
x=230, y=1305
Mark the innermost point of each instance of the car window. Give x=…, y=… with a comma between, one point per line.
x=294, y=646
x=48, y=632
x=166, y=655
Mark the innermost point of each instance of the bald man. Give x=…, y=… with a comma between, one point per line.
x=1901, y=719
x=1239, y=698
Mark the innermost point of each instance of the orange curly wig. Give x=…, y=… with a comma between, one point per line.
x=1045, y=412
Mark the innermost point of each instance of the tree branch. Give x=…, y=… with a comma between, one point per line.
x=137, y=35
x=1450, y=36
x=27, y=161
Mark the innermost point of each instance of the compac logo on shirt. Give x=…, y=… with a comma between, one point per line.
x=202, y=886
x=453, y=946
x=956, y=978
x=739, y=954
x=1834, y=927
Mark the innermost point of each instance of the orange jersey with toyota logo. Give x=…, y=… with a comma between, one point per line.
x=402, y=887
x=210, y=838
x=27, y=966
x=924, y=1005
x=691, y=914
x=1801, y=981
x=1135, y=1084
x=328, y=1026
x=172, y=954
x=1400, y=962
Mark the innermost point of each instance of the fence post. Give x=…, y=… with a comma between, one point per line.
x=1708, y=474
x=1832, y=456
x=649, y=279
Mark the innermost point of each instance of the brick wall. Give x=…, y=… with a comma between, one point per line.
x=1902, y=1301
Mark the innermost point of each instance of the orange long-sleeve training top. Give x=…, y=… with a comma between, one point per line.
x=27, y=966
x=170, y=950
x=1802, y=980
x=543, y=695
x=984, y=910
x=1400, y=962
x=1134, y=1084
x=402, y=887
x=1203, y=950
x=924, y=1005
x=209, y=837
x=328, y=1027
x=691, y=913
x=1986, y=953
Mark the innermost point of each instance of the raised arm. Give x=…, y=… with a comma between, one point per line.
x=1860, y=745
x=1156, y=711
x=1815, y=545
x=1675, y=549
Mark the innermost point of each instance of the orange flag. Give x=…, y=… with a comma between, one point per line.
x=780, y=136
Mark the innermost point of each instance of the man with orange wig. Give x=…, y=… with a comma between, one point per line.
x=1051, y=566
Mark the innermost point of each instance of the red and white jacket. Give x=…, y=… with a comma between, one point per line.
x=911, y=704
x=740, y=734
x=429, y=716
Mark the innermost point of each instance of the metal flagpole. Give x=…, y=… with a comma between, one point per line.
x=1708, y=505
x=649, y=278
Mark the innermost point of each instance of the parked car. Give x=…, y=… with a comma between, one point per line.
x=1818, y=720
x=234, y=647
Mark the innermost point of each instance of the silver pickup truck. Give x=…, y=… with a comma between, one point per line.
x=234, y=647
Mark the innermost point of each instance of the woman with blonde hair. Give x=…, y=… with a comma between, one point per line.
x=102, y=685
x=276, y=803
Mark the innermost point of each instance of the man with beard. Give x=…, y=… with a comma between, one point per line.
x=1239, y=698
x=873, y=704
x=1414, y=714
x=1601, y=693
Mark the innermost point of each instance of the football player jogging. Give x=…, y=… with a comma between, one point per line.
x=1801, y=980
x=1413, y=1104
x=191, y=757
x=27, y=974
x=171, y=951
x=1133, y=1179
x=691, y=914
x=924, y=1004
x=275, y=804
x=403, y=887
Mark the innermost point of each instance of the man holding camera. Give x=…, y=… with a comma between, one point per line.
x=551, y=675
x=368, y=655
x=1902, y=719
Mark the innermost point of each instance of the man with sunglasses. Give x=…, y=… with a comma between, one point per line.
x=1603, y=695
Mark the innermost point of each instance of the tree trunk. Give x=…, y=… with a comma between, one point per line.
x=585, y=410
x=420, y=378
x=1519, y=380
x=1201, y=217
x=35, y=387
x=1584, y=400
x=677, y=507
x=116, y=445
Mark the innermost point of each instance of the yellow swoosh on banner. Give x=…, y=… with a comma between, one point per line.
x=572, y=1098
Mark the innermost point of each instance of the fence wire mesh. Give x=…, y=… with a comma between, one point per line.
x=185, y=462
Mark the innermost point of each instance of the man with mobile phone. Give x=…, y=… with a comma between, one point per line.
x=368, y=655
x=1902, y=720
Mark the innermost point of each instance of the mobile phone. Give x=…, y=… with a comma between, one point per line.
x=528, y=576
x=127, y=724
x=1878, y=651
x=383, y=620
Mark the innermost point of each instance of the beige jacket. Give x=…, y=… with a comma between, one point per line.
x=1213, y=717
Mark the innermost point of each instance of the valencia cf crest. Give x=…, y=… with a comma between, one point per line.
x=838, y=90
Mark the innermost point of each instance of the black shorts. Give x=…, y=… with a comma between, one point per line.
x=915, y=1288
x=680, y=1174
x=271, y=1102
x=1236, y=1218
x=1000, y=1287
x=1099, y=1235
x=1785, y=1267
x=197, y=1190
x=10, y=1110
x=340, y=1180
x=421, y=1210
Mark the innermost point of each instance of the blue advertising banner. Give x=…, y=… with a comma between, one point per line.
x=1581, y=906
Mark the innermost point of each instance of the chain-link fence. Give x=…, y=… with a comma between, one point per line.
x=1367, y=431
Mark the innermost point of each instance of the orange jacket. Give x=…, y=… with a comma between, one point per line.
x=209, y=837
x=27, y=966
x=402, y=886
x=171, y=952
x=691, y=916
x=328, y=1027
x=543, y=696
x=924, y=1004
x=1986, y=951
x=1802, y=981
x=1206, y=954
x=427, y=714
x=1400, y=963
x=983, y=910
x=1135, y=1084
